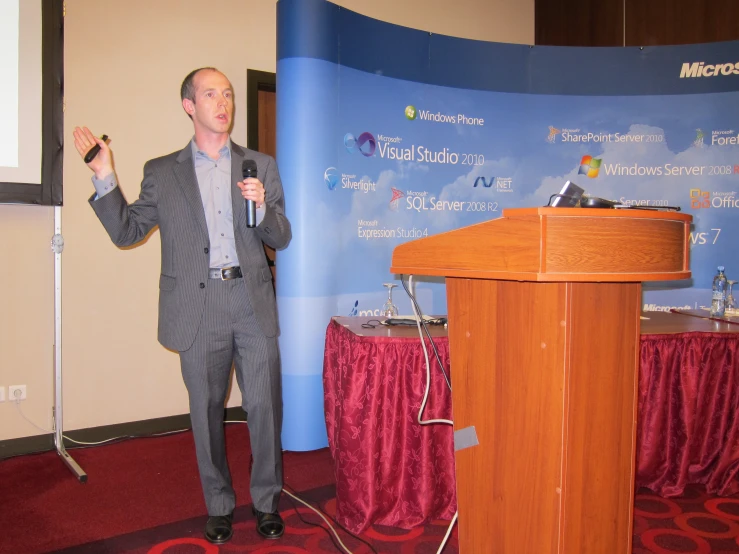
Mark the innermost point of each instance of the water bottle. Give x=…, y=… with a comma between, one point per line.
x=718, y=302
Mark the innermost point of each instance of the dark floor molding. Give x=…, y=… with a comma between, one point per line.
x=44, y=443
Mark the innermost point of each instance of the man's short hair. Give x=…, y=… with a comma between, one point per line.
x=187, y=90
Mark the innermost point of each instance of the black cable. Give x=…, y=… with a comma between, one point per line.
x=339, y=525
x=10, y=457
x=566, y=197
x=114, y=440
x=76, y=446
x=122, y=438
x=428, y=334
x=328, y=532
x=656, y=208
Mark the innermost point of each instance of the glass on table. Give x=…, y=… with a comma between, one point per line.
x=730, y=302
x=388, y=308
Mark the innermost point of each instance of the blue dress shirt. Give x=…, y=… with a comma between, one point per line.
x=214, y=182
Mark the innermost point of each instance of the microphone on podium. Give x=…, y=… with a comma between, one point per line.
x=249, y=169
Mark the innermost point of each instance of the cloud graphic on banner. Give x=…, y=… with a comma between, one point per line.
x=411, y=199
x=369, y=231
x=323, y=246
x=377, y=206
x=463, y=189
x=631, y=171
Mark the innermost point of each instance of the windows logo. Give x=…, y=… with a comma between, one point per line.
x=589, y=166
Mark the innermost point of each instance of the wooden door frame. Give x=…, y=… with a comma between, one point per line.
x=256, y=81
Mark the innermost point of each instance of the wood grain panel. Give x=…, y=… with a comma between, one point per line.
x=546, y=373
x=556, y=244
x=597, y=245
x=634, y=22
x=267, y=124
x=657, y=323
x=578, y=22
x=601, y=407
x=496, y=245
x=662, y=22
x=507, y=349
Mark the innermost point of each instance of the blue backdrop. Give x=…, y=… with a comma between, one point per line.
x=386, y=134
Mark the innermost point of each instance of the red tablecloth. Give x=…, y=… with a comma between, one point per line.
x=688, y=418
x=392, y=471
x=389, y=469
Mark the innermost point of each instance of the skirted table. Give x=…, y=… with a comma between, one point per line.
x=390, y=470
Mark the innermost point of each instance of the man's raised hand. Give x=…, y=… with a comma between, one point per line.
x=84, y=141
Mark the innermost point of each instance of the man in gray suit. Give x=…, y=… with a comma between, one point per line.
x=216, y=300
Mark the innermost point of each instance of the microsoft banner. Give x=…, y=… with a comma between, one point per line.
x=387, y=134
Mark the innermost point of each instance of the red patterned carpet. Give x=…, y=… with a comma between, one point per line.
x=696, y=523
x=185, y=537
x=143, y=496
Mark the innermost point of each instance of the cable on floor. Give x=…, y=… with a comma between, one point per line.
x=321, y=514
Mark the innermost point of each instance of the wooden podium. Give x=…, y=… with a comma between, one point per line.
x=544, y=316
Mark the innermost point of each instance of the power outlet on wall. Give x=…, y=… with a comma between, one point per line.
x=17, y=392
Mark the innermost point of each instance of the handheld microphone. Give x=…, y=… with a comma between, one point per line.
x=249, y=169
x=595, y=202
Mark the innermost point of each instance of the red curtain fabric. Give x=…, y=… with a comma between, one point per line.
x=392, y=471
x=688, y=425
x=389, y=469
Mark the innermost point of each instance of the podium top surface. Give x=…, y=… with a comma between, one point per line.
x=557, y=244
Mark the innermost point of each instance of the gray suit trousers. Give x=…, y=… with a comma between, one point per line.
x=229, y=334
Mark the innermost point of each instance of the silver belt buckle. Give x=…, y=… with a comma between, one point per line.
x=222, y=271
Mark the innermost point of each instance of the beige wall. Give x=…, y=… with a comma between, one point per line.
x=124, y=62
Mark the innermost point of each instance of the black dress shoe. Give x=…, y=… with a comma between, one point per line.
x=270, y=526
x=218, y=529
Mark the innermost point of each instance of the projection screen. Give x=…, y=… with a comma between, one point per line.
x=31, y=121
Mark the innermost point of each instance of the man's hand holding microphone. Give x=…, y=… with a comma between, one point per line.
x=252, y=190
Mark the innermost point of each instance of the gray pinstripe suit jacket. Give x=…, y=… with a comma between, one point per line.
x=170, y=198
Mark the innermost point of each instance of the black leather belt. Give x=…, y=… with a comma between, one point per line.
x=225, y=273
